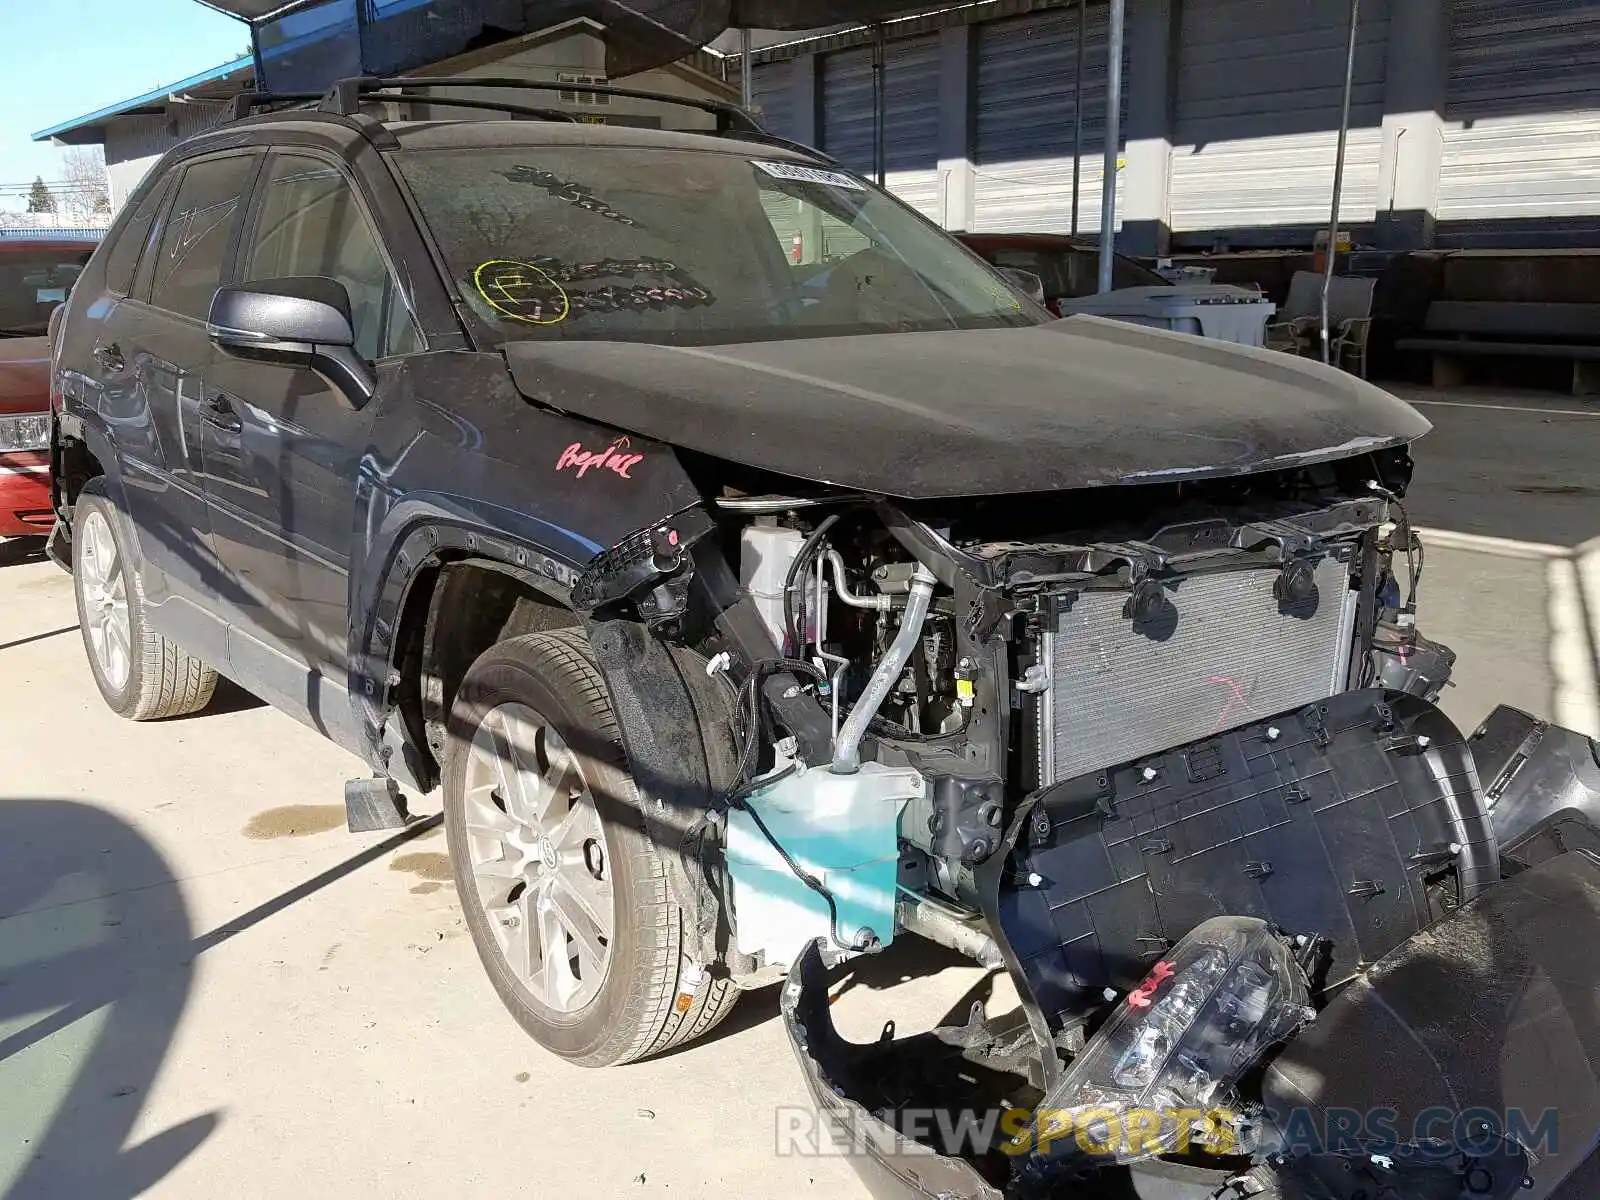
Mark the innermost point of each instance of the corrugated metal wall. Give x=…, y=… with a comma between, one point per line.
x=1025, y=107
x=1522, y=142
x=911, y=117
x=1260, y=83
x=773, y=95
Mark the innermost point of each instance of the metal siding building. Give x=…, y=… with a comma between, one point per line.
x=1025, y=105
x=1230, y=118
x=1259, y=89
x=1522, y=118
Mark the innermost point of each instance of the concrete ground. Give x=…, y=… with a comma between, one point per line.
x=207, y=987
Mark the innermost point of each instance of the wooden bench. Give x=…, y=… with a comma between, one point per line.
x=1457, y=329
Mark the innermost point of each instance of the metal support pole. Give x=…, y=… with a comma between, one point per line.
x=745, y=90
x=1108, y=185
x=879, y=165
x=1338, y=174
x=1077, y=112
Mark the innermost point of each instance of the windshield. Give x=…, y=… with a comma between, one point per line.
x=32, y=282
x=692, y=247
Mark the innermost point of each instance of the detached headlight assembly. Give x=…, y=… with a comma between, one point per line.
x=1164, y=1068
x=31, y=432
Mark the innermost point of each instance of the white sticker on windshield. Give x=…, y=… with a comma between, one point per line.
x=784, y=170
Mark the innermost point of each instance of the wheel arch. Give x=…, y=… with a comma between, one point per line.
x=448, y=593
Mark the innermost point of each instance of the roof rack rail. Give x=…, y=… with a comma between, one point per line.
x=241, y=105
x=345, y=97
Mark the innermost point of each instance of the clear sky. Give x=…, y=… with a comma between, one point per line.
x=60, y=59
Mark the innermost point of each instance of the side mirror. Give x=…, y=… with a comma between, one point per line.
x=1026, y=282
x=293, y=323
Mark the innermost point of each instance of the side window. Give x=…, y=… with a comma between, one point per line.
x=194, y=245
x=123, y=256
x=311, y=224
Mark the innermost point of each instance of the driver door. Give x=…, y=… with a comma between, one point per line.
x=282, y=449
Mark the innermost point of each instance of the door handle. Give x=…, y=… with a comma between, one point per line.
x=218, y=411
x=109, y=356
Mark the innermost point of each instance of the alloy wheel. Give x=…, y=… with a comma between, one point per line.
x=103, y=581
x=539, y=858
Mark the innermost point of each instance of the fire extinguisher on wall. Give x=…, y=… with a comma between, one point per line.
x=797, y=250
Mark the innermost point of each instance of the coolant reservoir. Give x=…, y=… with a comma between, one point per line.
x=765, y=552
x=843, y=830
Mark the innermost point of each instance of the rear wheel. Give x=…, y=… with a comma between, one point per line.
x=561, y=884
x=141, y=674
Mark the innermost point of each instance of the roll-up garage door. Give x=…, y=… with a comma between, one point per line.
x=1260, y=84
x=772, y=93
x=911, y=117
x=1025, y=111
x=1521, y=158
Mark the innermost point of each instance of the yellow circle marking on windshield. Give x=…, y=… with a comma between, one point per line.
x=511, y=288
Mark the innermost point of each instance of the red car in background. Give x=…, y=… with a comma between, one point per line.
x=36, y=273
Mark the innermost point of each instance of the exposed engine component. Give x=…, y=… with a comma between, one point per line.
x=766, y=551
x=1189, y=656
x=957, y=929
x=847, y=748
x=1405, y=661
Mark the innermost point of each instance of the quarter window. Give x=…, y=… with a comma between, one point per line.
x=123, y=258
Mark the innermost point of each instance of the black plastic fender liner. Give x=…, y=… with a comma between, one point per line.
x=1532, y=770
x=1496, y=1009
x=677, y=731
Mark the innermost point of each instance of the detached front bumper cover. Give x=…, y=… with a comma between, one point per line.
x=1490, y=1014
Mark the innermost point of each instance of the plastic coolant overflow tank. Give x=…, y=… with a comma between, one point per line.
x=843, y=830
x=765, y=552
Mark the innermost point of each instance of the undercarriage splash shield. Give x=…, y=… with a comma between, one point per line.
x=1353, y=819
x=919, y=1116
x=841, y=1079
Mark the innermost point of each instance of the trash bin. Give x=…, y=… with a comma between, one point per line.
x=1217, y=310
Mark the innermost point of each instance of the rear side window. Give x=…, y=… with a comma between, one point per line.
x=194, y=245
x=311, y=224
x=123, y=257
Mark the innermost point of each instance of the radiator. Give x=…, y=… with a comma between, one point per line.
x=1223, y=654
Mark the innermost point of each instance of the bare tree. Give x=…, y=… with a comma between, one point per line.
x=86, y=196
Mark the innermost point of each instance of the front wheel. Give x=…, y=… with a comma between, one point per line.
x=562, y=886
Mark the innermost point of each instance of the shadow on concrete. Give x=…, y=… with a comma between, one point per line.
x=38, y=637
x=16, y=551
x=97, y=952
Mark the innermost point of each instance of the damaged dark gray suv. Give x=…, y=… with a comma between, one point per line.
x=764, y=579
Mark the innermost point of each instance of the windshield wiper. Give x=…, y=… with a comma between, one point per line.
x=18, y=331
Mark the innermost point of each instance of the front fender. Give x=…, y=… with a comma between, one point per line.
x=461, y=463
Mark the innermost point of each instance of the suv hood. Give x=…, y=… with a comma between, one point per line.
x=1082, y=402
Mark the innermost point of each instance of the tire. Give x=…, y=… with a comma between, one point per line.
x=151, y=678
x=630, y=1012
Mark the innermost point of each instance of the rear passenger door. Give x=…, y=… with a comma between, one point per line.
x=149, y=359
x=282, y=451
